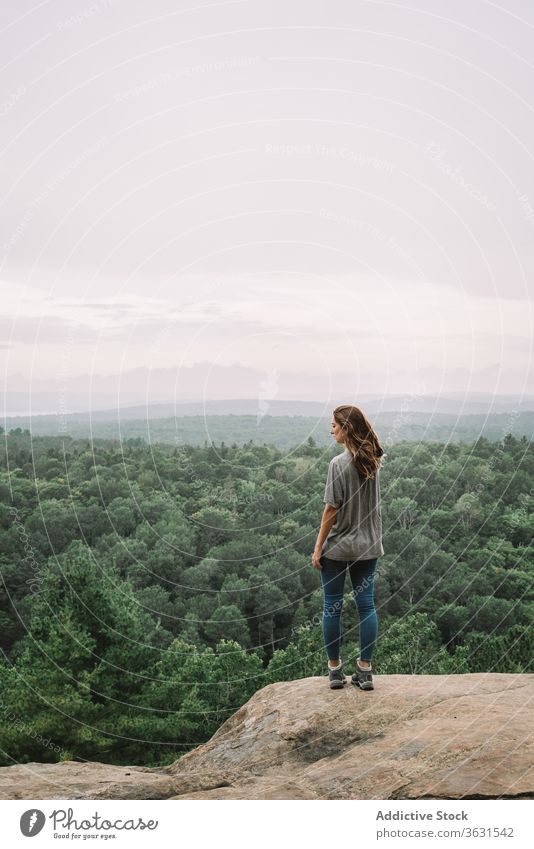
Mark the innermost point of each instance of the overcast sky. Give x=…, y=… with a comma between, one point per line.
x=340, y=192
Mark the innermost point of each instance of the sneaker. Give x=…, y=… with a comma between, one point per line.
x=363, y=677
x=336, y=677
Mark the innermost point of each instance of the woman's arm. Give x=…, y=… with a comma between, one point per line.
x=328, y=519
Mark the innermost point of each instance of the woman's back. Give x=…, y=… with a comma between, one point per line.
x=357, y=530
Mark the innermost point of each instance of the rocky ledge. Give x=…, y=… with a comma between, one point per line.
x=412, y=737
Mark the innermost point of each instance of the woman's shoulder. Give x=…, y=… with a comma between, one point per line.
x=343, y=457
x=341, y=462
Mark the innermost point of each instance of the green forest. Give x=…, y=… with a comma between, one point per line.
x=148, y=590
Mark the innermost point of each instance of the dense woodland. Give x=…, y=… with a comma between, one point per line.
x=149, y=590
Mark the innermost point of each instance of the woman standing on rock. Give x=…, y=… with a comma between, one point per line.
x=350, y=536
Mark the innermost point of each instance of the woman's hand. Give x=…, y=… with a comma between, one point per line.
x=316, y=559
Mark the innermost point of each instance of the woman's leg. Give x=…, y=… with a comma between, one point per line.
x=333, y=581
x=362, y=576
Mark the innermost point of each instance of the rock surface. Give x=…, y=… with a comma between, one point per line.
x=412, y=737
x=75, y=780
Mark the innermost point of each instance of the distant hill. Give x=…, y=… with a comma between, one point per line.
x=47, y=406
x=284, y=423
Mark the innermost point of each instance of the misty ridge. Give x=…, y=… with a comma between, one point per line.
x=286, y=423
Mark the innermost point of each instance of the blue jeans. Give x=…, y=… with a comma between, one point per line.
x=362, y=576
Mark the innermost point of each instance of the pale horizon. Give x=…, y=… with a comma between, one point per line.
x=268, y=201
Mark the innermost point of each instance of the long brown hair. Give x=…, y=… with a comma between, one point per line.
x=360, y=439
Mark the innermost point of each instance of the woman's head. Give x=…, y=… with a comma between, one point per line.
x=350, y=426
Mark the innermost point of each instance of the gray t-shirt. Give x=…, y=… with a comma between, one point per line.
x=357, y=530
